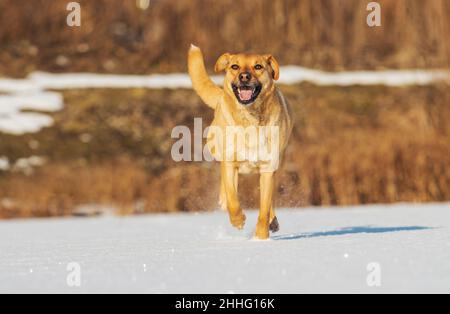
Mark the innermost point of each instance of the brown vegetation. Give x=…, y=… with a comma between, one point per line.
x=353, y=145
x=116, y=36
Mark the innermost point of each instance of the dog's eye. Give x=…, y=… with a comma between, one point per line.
x=258, y=67
x=235, y=67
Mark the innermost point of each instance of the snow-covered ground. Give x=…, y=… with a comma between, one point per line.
x=13, y=116
x=405, y=248
x=31, y=93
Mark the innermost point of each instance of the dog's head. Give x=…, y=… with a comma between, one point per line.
x=249, y=77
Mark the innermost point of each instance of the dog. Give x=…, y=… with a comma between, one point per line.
x=249, y=99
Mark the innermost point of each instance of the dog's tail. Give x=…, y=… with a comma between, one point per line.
x=209, y=92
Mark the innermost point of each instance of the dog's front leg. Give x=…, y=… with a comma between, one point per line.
x=266, y=186
x=229, y=181
x=223, y=191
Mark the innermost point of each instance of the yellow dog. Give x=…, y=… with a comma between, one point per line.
x=248, y=99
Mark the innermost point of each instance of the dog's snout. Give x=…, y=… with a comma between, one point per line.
x=245, y=77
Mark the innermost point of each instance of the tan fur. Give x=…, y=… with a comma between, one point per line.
x=269, y=109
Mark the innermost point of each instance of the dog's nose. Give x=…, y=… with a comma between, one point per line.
x=245, y=77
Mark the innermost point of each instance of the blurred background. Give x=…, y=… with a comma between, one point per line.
x=109, y=149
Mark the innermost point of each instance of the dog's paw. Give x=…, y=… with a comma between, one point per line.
x=238, y=221
x=262, y=233
x=262, y=230
x=274, y=225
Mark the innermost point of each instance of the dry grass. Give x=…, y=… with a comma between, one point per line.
x=117, y=37
x=352, y=145
x=374, y=145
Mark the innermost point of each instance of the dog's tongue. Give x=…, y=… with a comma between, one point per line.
x=246, y=94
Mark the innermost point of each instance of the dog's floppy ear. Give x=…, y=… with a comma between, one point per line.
x=222, y=62
x=274, y=65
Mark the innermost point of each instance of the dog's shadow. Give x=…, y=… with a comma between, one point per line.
x=348, y=231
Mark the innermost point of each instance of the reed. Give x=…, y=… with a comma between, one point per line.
x=353, y=145
x=118, y=37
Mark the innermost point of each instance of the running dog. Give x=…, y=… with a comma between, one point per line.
x=249, y=99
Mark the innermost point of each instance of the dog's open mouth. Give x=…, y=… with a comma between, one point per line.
x=246, y=94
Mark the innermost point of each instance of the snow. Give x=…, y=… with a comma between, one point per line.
x=4, y=163
x=14, y=120
x=291, y=74
x=31, y=92
x=24, y=165
x=317, y=250
x=295, y=75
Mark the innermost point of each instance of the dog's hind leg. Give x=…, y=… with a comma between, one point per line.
x=274, y=225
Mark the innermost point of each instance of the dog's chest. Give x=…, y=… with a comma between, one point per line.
x=249, y=167
x=254, y=150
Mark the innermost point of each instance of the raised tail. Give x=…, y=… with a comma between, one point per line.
x=209, y=92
